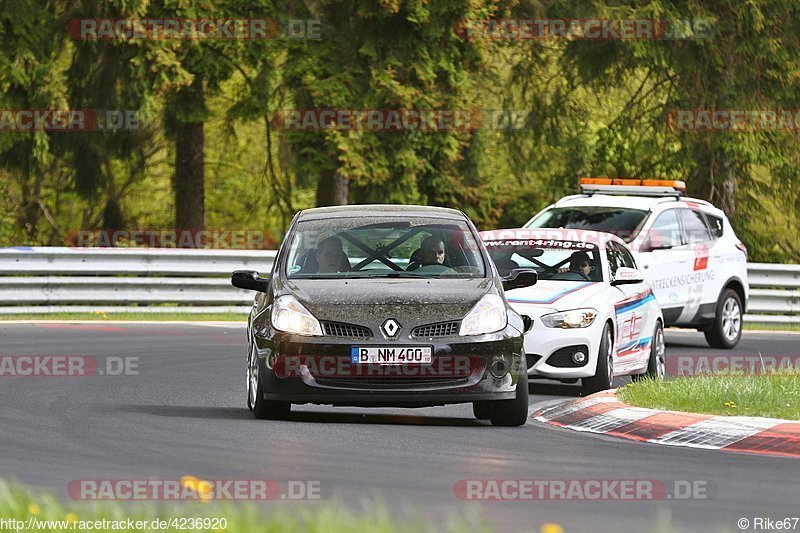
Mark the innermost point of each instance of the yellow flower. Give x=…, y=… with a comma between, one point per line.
x=203, y=489
x=551, y=527
x=33, y=509
x=71, y=517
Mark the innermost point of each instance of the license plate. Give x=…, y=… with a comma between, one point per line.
x=390, y=355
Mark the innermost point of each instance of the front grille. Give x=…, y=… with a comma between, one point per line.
x=562, y=358
x=393, y=382
x=433, y=331
x=350, y=331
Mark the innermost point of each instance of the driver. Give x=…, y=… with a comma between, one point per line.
x=579, y=262
x=432, y=252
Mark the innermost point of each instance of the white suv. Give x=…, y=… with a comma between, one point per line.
x=684, y=247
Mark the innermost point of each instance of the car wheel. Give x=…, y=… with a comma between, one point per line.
x=512, y=412
x=604, y=373
x=263, y=409
x=726, y=330
x=252, y=378
x=482, y=410
x=657, y=364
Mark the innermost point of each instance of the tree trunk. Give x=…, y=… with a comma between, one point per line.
x=189, y=176
x=332, y=189
x=728, y=192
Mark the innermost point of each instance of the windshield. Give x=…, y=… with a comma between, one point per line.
x=553, y=259
x=623, y=222
x=412, y=247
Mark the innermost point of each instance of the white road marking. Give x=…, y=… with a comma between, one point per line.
x=612, y=420
x=716, y=433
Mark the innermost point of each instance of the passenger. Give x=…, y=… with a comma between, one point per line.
x=331, y=257
x=503, y=262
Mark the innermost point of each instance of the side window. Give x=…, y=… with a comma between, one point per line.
x=716, y=225
x=625, y=256
x=694, y=226
x=614, y=259
x=665, y=232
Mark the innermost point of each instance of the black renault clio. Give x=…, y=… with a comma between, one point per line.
x=385, y=305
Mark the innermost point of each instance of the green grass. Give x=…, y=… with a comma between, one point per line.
x=774, y=394
x=186, y=317
x=17, y=502
x=769, y=326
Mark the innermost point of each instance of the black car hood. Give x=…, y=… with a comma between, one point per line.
x=369, y=302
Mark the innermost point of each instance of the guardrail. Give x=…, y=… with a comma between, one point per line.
x=55, y=280
x=51, y=280
x=774, y=293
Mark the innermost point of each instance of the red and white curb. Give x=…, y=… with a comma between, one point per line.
x=604, y=413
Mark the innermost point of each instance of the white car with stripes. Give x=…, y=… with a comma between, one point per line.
x=685, y=247
x=594, y=317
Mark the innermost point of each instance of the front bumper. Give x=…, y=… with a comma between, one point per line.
x=318, y=370
x=542, y=343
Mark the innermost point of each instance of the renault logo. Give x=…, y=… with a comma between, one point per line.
x=390, y=328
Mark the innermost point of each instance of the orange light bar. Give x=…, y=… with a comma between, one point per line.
x=635, y=182
x=595, y=181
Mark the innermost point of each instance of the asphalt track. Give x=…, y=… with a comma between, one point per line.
x=184, y=414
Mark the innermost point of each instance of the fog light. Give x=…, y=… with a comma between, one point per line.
x=579, y=357
x=498, y=368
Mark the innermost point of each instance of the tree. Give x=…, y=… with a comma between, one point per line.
x=400, y=55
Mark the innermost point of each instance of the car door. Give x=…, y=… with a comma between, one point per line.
x=700, y=279
x=666, y=261
x=634, y=321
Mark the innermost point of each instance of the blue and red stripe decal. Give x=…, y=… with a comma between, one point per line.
x=553, y=298
x=634, y=302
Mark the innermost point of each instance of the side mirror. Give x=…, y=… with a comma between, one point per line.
x=527, y=322
x=250, y=280
x=627, y=276
x=520, y=278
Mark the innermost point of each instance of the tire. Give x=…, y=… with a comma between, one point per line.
x=482, y=410
x=251, y=379
x=603, y=378
x=514, y=412
x=726, y=331
x=263, y=409
x=657, y=364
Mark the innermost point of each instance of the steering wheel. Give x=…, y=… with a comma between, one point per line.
x=467, y=269
x=434, y=269
x=570, y=275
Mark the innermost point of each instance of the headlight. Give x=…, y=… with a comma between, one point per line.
x=488, y=315
x=290, y=316
x=576, y=318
